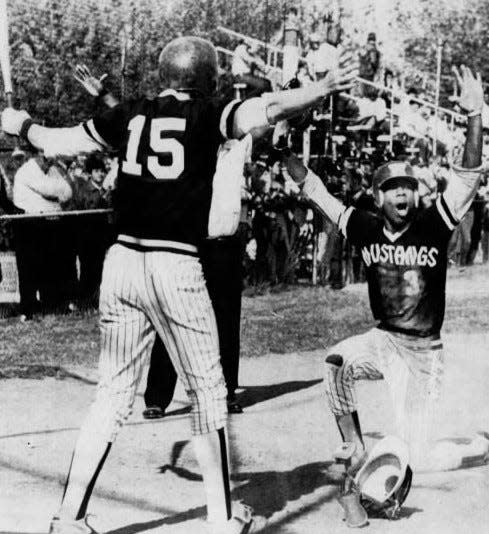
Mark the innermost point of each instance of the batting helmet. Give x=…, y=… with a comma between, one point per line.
x=189, y=63
x=385, y=479
x=390, y=171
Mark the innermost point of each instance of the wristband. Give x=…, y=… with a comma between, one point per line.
x=103, y=92
x=24, y=129
x=474, y=113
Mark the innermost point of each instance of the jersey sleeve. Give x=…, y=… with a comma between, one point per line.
x=358, y=226
x=220, y=115
x=109, y=128
x=438, y=220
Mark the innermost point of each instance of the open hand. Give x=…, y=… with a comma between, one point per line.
x=92, y=85
x=343, y=77
x=471, y=98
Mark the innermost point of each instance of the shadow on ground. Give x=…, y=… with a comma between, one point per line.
x=267, y=492
x=255, y=394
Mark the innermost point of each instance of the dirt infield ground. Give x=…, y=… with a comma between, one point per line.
x=283, y=444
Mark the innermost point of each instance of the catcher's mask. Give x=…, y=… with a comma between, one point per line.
x=385, y=479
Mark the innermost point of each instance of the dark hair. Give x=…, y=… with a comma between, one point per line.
x=94, y=162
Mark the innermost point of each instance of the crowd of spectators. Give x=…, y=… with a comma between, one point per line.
x=59, y=258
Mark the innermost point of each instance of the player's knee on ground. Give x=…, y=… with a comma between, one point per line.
x=209, y=408
x=339, y=385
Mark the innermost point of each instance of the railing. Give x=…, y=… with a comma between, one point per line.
x=273, y=52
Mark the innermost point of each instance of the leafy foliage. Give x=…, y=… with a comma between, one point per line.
x=124, y=37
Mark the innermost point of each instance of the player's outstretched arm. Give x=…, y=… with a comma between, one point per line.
x=313, y=187
x=52, y=141
x=257, y=113
x=464, y=181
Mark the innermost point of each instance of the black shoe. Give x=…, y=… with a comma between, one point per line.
x=234, y=407
x=153, y=412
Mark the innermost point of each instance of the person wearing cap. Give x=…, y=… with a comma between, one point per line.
x=405, y=255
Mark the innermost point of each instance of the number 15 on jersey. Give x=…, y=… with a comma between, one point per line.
x=160, y=145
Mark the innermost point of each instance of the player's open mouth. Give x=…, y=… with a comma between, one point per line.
x=402, y=208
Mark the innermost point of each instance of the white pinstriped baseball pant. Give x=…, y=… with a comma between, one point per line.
x=144, y=292
x=411, y=367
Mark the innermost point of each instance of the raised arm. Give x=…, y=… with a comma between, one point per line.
x=464, y=180
x=94, y=86
x=258, y=113
x=313, y=188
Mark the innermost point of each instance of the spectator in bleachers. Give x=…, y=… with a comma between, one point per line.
x=370, y=58
x=248, y=68
x=322, y=56
x=372, y=110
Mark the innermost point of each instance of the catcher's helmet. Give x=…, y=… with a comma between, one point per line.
x=385, y=479
x=390, y=171
x=189, y=63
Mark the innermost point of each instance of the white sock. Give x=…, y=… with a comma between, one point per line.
x=211, y=453
x=88, y=458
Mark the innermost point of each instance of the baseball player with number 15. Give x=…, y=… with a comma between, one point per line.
x=405, y=255
x=152, y=277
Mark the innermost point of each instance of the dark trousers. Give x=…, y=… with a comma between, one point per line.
x=45, y=263
x=93, y=240
x=29, y=255
x=222, y=266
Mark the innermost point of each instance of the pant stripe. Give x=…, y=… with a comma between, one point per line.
x=88, y=493
x=225, y=470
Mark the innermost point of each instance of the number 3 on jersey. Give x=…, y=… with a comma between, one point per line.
x=412, y=287
x=160, y=145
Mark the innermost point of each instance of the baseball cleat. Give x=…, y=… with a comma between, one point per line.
x=153, y=412
x=70, y=526
x=242, y=522
x=234, y=407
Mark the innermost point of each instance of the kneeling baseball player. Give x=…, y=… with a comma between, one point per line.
x=405, y=254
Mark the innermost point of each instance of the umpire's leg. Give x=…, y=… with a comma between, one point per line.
x=162, y=380
x=222, y=266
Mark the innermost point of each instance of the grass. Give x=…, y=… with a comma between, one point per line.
x=297, y=319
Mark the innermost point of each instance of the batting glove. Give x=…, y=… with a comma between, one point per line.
x=13, y=119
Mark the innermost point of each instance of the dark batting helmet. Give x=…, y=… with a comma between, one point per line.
x=189, y=63
x=390, y=171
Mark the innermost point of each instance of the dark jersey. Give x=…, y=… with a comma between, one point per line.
x=406, y=272
x=167, y=149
